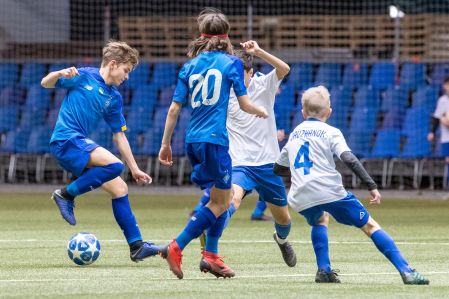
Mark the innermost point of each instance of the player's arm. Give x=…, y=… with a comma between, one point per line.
x=282, y=68
x=249, y=107
x=122, y=144
x=50, y=80
x=165, y=153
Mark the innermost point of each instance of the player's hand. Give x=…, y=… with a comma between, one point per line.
x=375, y=197
x=251, y=47
x=141, y=177
x=280, y=135
x=69, y=72
x=262, y=112
x=165, y=155
x=430, y=137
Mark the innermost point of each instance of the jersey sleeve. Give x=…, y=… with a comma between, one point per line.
x=237, y=77
x=181, y=93
x=70, y=83
x=114, y=117
x=338, y=143
x=283, y=157
x=269, y=83
x=441, y=108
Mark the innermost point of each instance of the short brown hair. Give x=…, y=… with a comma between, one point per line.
x=246, y=58
x=213, y=23
x=120, y=52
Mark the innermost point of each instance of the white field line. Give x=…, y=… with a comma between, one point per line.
x=230, y=242
x=213, y=278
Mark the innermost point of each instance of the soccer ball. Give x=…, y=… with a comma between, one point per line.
x=83, y=249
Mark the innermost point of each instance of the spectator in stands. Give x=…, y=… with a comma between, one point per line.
x=92, y=95
x=207, y=80
x=317, y=190
x=440, y=118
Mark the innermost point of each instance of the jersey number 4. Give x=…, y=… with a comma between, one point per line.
x=200, y=83
x=306, y=163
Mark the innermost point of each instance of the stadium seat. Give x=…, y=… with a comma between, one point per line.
x=265, y=68
x=139, y=119
x=139, y=76
x=393, y=118
x=329, y=75
x=12, y=95
x=363, y=118
x=383, y=75
x=367, y=97
x=9, y=116
x=166, y=96
x=32, y=73
x=58, y=66
x=394, y=98
x=9, y=74
x=300, y=76
x=60, y=94
x=416, y=122
x=37, y=97
x=164, y=74
x=355, y=75
x=359, y=142
x=102, y=136
x=387, y=144
x=144, y=96
x=412, y=76
x=33, y=117
x=426, y=98
x=440, y=71
x=52, y=118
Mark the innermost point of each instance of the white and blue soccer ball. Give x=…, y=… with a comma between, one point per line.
x=83, y=249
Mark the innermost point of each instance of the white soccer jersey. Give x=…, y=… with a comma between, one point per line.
x=252, y=140
x=309, y=154
x=442, y=107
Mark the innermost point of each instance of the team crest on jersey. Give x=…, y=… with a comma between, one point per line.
x=226, y=177
x=101, y=90
x=88, y=87
x=362, y=214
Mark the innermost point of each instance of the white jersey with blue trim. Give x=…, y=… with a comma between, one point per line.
x=309, y=154
x=252, y=140
x=442, y=108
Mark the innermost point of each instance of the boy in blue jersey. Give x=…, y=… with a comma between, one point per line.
x=92, y=95
x=207, y=78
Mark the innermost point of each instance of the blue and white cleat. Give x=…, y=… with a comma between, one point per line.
x=147, y=249
x=65, y=206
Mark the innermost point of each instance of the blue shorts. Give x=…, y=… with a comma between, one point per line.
x=348, y=210
x=211, y=165
x=445, y=149
x=261, y=178
x=73, y=154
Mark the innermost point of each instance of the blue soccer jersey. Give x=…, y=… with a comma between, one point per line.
x=208, y=79
x=88, y=100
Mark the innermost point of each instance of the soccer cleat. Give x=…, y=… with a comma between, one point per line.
x=327, y=277
x=65, y=206
x=287, y=251
x=145, y=250
x=414, y=277
x=173, y=254
x=213, y=263
x=261, y=217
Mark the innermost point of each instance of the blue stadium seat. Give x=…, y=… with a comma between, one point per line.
x=126, y=92
x=166, y=96
x=300, y=76
x=426, y=98
x=383, y=75
x=52, y=117
x=440, y=71
x=37, y=97
x=151, y=142
x=9, y=116
x=393, y=118
x=139, y=119
x=367, y=97
x=266, y=68
x=387, y=144
x=355, y=75
x=412, y=75
x=416, y=147
x=341, y=97
x=9, y=74
x=178, y=144
x=297, y=119
x=102, y=136
x=394, y=98
x=359, y=142
x=32, y=73
x=164, y=74
x=363, y=119
x=144, y=96
x=58, y=66
x=21, y=138
x=38, y=142
x=139, y=76
x=416, y=123
x=12, y=95
x=60, y=94
x=329, y=75
x=183, y=120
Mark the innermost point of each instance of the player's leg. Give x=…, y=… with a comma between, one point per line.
x=350, y=211
x=387, y=246
x=202, y=201
x=124, y=216
x=258, y=213
x=93, y=166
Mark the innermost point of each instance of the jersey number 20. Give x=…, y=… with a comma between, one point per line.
x=200, y=83
x=306, y=163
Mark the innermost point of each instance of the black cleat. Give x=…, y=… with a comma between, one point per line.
x=145, y=250
x=287, y=251
x=327, y=277
x=65, y=206
x=414, y=277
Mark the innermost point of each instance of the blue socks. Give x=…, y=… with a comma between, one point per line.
x=261, y=206
x=282, y=230
x=125, y=219
x=386, y=245
x=215, y=231
x=320, y=244
x=197, y=224
x=94, y=178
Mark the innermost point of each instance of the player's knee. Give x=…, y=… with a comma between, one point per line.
x=236, y=200
x=324, y=220
x=370, y=227
x=120, y=189
x=116, y=169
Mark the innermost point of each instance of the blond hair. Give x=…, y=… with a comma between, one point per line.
x=120, y=52
x=316, y=101
x=214, y=27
